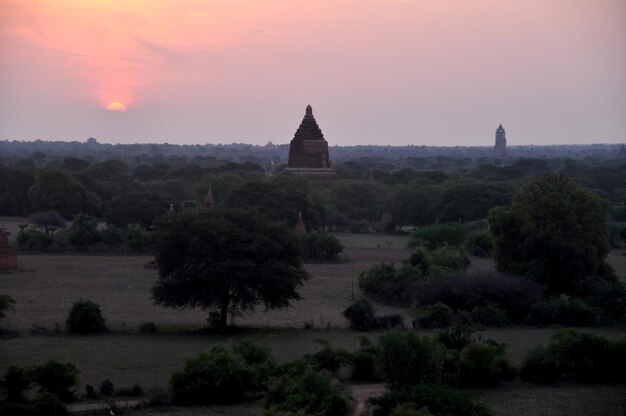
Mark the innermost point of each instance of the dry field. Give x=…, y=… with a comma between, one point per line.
x=49, y=284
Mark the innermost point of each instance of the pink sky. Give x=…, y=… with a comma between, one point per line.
x=432, y=72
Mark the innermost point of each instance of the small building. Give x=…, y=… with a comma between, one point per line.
x=308, y=153
x=8, y=254
x=209, y=201
x=499, y=150
x=300, y=228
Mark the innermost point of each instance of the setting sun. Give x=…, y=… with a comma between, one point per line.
x=116, y=106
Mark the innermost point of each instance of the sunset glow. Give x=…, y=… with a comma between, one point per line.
x=116, y=106
x=377, y=71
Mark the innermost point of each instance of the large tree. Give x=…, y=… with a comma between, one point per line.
x=226, y=261
x=554, y=230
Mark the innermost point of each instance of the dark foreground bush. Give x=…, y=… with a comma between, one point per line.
x=85, y=318
x=435, y=316
x=386, y=283
x=608, y=298
x=514, y=295
x=576, y=356
x=437, y=235
x=484, y=364
x=479, y=244
x=564, y=311
x=303, y=391
x=361, y=315
x=59, y=379
x=440, y=401
x=489, y=315
x=15, y=382
x=216, y=377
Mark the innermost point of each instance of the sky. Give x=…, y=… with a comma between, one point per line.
x=390, y=72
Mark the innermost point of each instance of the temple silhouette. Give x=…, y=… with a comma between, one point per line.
x=308, y=153
x=499, y=150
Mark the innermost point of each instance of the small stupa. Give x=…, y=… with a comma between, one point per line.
x=8, y=254
x=300, y=228
x=209, y=201
x=308, y=153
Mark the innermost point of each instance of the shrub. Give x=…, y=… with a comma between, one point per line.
x=305, y=392
x=576, y=356
x=619, y=214
x=385, y=283
x=148, y=328
x=483, y=364
x=479, y=244
x=407, y=358
x=561, y=311
x=456, y=337
x=252, y=353
x=361, y=315
x=608, y=298
x=389, y=321
x=449, y=257
x=409, y=409
x=16, y=381
x=6, y=304
x=435, y=316
x=439, y=400
x=85, y=318
x=218, y=376
x=327, y=358
x=490, y=315
x=515, y=295
x=436, y=235
x=107, y=388
x=31, y=239
x=322, y=245
x=57, y=378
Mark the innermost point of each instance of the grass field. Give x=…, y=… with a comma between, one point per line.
x=49, y=284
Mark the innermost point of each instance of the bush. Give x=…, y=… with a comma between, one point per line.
x=327, y=358
x=57, y=378
x=514, y=295
x=456, y=337
x=479, y=244
x=389, y=321
x=361, y=315
x=490, y=315
x=16, y=381
x=365, y=362
x=576, y=356
x=216, y=377
x=407, y=358
x=46, y=404
x=563, y=310
x=306, y=392
x=449, y=257
x=435, y=316
x=410, y=409
x=437, y=235
x=439, y=400
x=383, y=282
x=85, y=318
x=322, y=245
x=483, y=364
x=608, y=298
x=6, y=304
x=107, y=388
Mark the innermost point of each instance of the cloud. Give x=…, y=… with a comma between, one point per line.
x=168, y=53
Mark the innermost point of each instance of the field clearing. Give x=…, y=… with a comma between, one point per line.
x=49, y=284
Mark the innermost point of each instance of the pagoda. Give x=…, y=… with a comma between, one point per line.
x=300, y=228
x=8, y=254
x=308, y=153
x=209, y=201
x=499, y=150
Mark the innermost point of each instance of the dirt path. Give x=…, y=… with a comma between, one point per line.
x=108, y=405
x=362, y=392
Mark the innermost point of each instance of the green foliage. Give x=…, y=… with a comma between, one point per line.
x=412, y=205
x=608, y=298
x=483, y=364
x=83, y=231
x=222, y=184
x=554, y=231
x=359, y=200
x=451, y=258
x=107, y=388
x=226, y=261
x=327, y=358
x=435, y=316
x=365, y=362
x=437, y=235
x=140, y=208
x=16, y=381
x=479, y=244
x=216, y=377
x=472, y=201
x=322, y=245
x=409, y=409
x=490, y=315
x=14, y=185
x=57, y=190
x=361, y=315
x=386, y=283
x=439, y=400
x=305, y=392
x=408, y=359
x=85, y=318
x=619, y=214
x=6, y=304
x=562, y=310
x=59, y=379
x=45, y=404
x=576, y=356
x=456, y=336
x=32, y=239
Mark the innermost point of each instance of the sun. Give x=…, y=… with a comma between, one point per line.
x=116, y=106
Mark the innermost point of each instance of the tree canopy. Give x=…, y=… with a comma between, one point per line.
x=555, y=230
x=226, y=261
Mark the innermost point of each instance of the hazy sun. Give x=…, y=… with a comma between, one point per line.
x=116, y=106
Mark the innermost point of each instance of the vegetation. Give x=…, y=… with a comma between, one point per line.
x=227, y=261
x=59, y=379
x=85, y=318
x=362, y=317
x=437, y=235
x=321, y=245
x=6, y=304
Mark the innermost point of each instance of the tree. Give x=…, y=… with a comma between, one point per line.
x=84, y=231
x=412, y=205
x=555, y=231
x=226, y=261
x=359, y=200
x=6, y=304
x=57, y=190
x=472, y=200
x=47, y=220
x=137, y=208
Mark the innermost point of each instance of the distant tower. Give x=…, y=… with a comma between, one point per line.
x=208, y=199
x=499, y=150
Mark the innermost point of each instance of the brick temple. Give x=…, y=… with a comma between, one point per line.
x=308, y=153
x=8, y=254
x=499, y=150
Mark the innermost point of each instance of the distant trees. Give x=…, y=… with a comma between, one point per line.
x=137, y=208
x=14, y=185
x=412, y=205
x=58, y=190
x=555, y=231
x=359, y=200
x=472, y=200
x=226, y=261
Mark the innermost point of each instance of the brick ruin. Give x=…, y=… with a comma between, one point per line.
x=8, y=254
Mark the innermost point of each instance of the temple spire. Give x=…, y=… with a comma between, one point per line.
x=300, y=228
x=208, y=199
x=309, y=110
